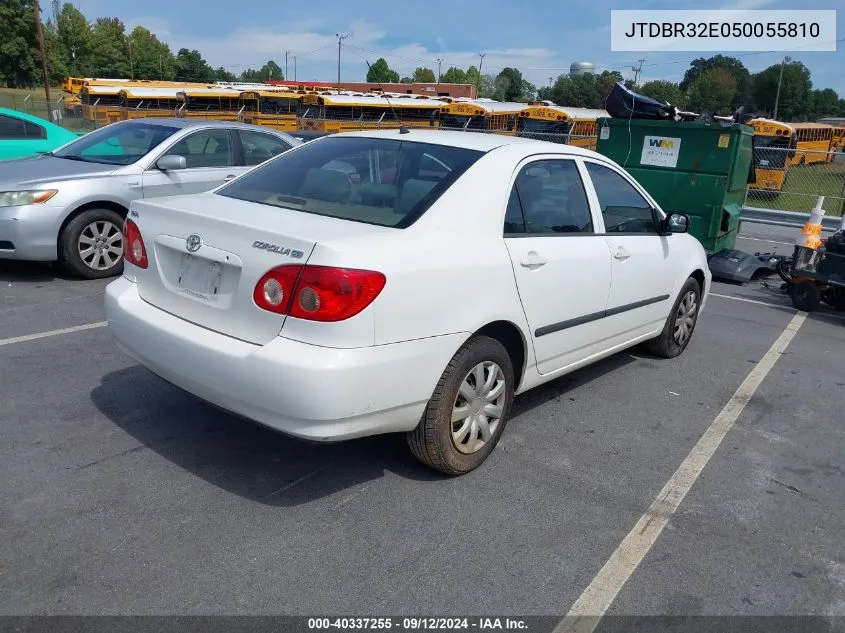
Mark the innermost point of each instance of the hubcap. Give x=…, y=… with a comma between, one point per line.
x=685, y=318
x=477, y=412
x=100, y=245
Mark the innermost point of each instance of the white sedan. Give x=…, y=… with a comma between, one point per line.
x=454, y=271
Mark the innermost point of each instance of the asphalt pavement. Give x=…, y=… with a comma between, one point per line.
x=124, y=495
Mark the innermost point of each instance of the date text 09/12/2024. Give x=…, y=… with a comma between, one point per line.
x=416, y=623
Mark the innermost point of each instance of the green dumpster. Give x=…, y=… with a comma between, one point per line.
x=700, y=169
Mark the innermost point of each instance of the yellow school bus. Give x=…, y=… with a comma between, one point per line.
x=140, y=102
x=221, y=104
x=343, y=112
x=272, y=108
x=812, y=143
x=100, y=103
x=485, y=116
x=546, y=121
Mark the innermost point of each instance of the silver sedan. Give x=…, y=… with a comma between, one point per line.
x=69, y=205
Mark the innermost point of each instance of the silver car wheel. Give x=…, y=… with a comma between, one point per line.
x=100, y=245
x=477, y=411
x=685, y=318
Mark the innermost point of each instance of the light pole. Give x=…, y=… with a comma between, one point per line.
x=785, y=60
x=439, y=62
x=480, y=65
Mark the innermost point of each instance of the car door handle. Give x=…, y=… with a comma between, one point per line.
x=533, y=260
x=621, y=254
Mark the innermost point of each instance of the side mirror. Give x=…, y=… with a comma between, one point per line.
x=678, y=223
x=171, y=163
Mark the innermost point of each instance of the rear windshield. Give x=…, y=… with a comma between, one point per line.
x=385, y=182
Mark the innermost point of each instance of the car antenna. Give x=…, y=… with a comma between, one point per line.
x=402, y=129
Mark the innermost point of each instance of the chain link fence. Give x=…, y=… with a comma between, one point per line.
x=66, y=111
x=793, y=179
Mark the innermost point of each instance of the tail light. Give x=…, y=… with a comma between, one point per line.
x=318, y=293
x=133, y=245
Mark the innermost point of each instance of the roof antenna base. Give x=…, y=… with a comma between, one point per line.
x=403, y=130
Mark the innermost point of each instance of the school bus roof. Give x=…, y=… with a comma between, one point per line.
x=102, y=89
x=378, y=101
x=201, y=93
x=488, y=107
x=805, y=126
x=134, y=92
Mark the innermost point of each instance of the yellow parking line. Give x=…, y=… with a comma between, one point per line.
x=67, y=330
x=588, y=609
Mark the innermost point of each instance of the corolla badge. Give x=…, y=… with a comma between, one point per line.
x=193, y=243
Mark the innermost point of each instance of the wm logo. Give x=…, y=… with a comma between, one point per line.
x=661, y=142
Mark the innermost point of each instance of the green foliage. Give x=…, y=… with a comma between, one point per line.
x=744, y=94
x=381, y=72
x=509, y=84
x=667, y=91
x=151, y=59
x=823, y=103
x=422, y=76
x=586, y=90
x=72, y=47
x=270, y=70
x=794, y=100
x=454, y=76
x=110, y=48
x=714, y=90
x=18, y=52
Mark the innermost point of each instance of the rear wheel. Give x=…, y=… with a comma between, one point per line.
x=784, y=269
x=679, y=326
x=469, y=409
x=806, y=296
x=91, y=245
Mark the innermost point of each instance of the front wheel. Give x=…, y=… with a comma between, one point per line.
x=91, y=245
x=467, y=413
x=784, y=269
x=679, y=326
x=806, y=296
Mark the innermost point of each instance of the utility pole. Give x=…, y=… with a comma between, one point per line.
x=39, y=34
x=786, y=59
x=480, y=65
x=439, y=62
x=637, y=70
x=294, y=67
x=286, y=64
x=340, y=39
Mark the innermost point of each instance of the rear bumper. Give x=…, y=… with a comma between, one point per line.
x=29, y=232
x=311, y=392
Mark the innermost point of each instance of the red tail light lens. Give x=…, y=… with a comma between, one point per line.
x=275, y=289
x=318, y=293
x=134, y=251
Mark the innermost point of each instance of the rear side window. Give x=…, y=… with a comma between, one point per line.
x=259, y=147
x=378, y=181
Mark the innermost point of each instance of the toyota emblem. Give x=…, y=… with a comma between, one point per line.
x=193, y=243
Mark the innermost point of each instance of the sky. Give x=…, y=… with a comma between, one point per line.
x=539, y=37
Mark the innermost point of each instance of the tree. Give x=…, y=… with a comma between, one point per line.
x=664, y=91
x=744, y=83
x=423, y=76
x=74, y=40
x=487, y=87
x=472, y=76
x=190, y=66
x=713, y=90
x=270, y=70
x=57, y=70
x=380, y=72
x=110, y=49
x=795, y=88
x=151, y=58
x=509, y=80
x=453, y=76
x=221, y=74
x=18, y=52
x=406, y=80
x=823, y=103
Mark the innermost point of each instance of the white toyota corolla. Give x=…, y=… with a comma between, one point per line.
x=453, y=271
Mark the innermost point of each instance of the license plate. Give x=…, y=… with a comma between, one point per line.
x=199, y=276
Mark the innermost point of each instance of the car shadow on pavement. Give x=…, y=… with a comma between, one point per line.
x=260, y=464
x=13, y=271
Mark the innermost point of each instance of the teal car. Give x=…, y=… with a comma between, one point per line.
x=24, y=135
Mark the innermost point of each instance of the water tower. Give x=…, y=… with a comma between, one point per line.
x=581, y=68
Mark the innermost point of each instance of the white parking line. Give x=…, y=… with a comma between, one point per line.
x=760, y=239
x=67, y=330
x=588, y=609
x=760, y=303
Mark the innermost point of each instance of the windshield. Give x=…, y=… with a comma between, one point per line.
x=377, y=181
x=771, y=152
x=118, y=144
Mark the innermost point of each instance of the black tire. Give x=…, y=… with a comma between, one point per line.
x=431, y=442
x=806, y=296
x=669, y=344
x=784, y=269
x=70, y=258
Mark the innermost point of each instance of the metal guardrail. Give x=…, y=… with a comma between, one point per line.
x=792, y=219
